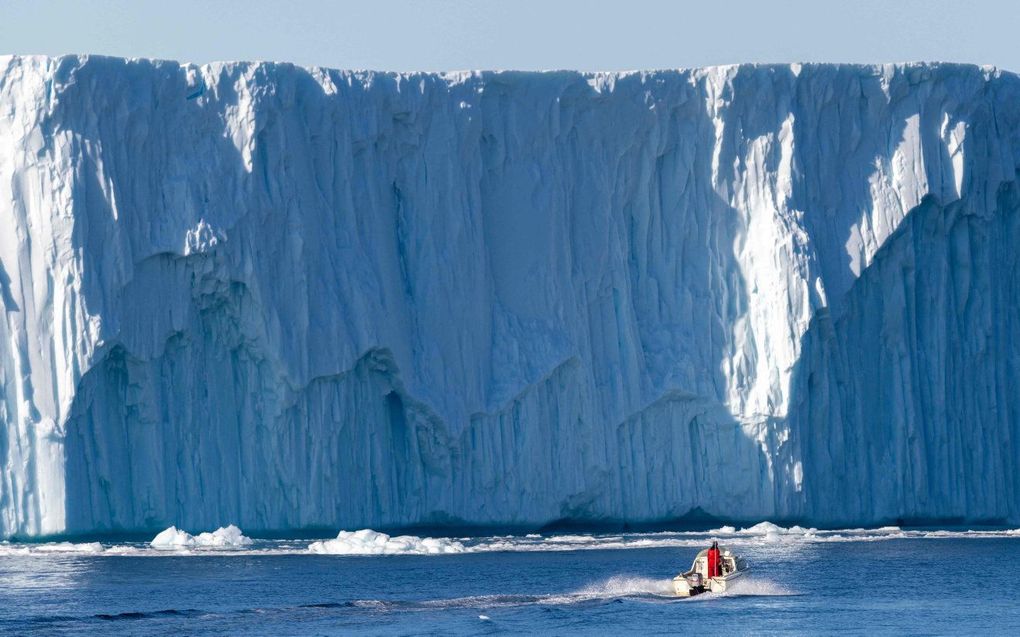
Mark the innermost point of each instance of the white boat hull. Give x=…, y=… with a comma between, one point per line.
x=694, y=582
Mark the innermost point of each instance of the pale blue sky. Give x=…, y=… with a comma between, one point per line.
x=527, y=34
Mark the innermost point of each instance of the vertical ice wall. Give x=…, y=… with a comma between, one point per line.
x=286, y=297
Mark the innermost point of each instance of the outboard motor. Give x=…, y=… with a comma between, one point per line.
x=694, y=580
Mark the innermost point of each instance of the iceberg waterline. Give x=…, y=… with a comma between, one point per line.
x=367, y=542
x=301, y=298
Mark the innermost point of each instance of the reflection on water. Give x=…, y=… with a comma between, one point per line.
x=41, y=573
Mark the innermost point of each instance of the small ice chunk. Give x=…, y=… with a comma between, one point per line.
x=171, y=538
x=369, y=542
x=224, y=537
x=70, y=547
x=764, y=528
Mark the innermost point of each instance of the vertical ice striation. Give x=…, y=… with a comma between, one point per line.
x=284, y=297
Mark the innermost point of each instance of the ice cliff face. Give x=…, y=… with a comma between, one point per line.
x=284, y=297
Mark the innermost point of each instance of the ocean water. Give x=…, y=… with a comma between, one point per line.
x=887, y=581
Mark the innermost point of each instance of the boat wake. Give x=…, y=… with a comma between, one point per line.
x=618, y=587
x=628, y=586
x=753, y=587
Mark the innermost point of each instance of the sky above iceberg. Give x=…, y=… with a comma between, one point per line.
x=525, y=34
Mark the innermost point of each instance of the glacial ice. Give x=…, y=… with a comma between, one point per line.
x=223, y=537
x=295, y=298
x=369, y=542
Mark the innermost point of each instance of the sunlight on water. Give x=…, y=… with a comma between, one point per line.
x=796, y=586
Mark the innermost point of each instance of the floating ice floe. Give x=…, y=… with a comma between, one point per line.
x=766, y=536
x=223, y=537
x=50, y=548
x=369, y=542
x=69, y=547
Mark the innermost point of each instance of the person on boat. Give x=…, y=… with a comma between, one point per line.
x=714, y=561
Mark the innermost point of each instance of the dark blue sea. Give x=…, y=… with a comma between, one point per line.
x=887, y=582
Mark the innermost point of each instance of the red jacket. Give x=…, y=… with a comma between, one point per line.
x=714, y=563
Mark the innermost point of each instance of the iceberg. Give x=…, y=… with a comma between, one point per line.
x=298, y=298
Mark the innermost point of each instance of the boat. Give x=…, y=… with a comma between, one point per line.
x=696, y=581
